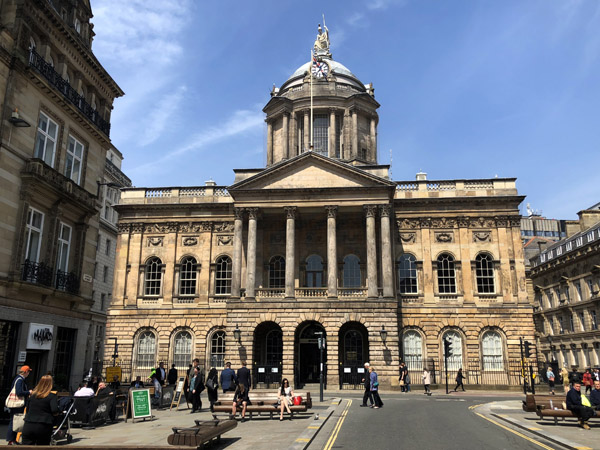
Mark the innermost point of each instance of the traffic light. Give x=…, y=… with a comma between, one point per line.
x=447, y=347
x=527, y=349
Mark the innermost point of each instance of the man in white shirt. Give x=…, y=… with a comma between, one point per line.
x=84, y=391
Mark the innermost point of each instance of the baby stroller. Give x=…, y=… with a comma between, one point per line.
x=62, y=425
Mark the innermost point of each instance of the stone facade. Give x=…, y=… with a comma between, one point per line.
x=323, y=241
x=54, y=133
x=566, y=283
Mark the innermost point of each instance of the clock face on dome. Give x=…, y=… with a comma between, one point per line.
x=320, y=69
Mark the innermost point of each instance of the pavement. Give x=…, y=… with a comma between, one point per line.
x=304, y=429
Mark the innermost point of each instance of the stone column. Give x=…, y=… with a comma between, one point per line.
x=269, y=142
x=290, y=251
x=370, y=211
x=331, y=252
x=306, y=130
x=386, y=252
x=293, y=136
x=251, y=258
x=284, y=136
x=332, y=135
x=373, y=133
x=355, y=149
x=236, y=269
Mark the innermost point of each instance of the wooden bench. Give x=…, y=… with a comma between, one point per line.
x=204, y=432
x=554, y=408
x=531, y=400
x=262, y=402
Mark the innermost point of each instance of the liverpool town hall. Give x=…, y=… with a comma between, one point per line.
x=321, y=243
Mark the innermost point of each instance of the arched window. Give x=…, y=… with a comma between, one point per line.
x=217, y=349
x=223, y=275
x=274, y=347
x=352, y=271
x=484, y=273
x=413, y=349
x=314, y=271
x=153, y=278
x=187, y=276
x=446, y=274
x=182, y=350
x=353, y=348
x=407, y=274
x=455, y=361
x=491, y=350
x=146, y=350
x=277, y=272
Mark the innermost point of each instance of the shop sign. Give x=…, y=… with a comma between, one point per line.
x=40, y=336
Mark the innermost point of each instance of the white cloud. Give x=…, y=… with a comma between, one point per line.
x=164, y=110
x=241, y=121
x=384, y=4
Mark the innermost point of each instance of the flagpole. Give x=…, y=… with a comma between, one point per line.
x=311, y=101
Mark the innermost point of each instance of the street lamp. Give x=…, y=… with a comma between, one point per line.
x=237, y=334
x=383, y=332
x=321, y=344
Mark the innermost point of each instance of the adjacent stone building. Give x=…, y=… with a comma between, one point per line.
x=321, y=243
x=54, y=136
x=566, y=282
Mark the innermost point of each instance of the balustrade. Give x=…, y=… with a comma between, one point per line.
x=43, y=274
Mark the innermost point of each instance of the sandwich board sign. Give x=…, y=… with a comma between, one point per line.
x=139, y=401
x=178, y=393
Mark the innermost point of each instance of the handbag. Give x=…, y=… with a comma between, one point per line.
x=18, y=422
x=401, y=382
x=210, y=384
x=13, y=400
x=297, y=400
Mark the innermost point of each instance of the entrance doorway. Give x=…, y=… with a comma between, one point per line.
x=268, y=355
x=308, y=354
x=354, y=352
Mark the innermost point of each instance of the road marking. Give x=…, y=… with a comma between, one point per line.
x=313, y=427
x=534, y=429
x=584, y=448
x=302, y=440
x=337, y=427
x=476, y=406
x=515, y=432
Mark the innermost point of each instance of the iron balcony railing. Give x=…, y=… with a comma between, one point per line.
x=53, y=77
x=43, y=274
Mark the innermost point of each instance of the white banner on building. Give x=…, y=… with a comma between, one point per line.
x=40, y=336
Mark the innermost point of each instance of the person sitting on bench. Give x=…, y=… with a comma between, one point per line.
x=240, y=399
x=580, y=405
x=285, y=396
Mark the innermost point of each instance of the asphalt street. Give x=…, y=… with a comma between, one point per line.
x=420, y=422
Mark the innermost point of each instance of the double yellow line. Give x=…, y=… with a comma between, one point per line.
x=337, y=428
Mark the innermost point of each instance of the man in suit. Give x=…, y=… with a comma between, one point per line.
x=228, y=379
x=579, y=405
x=161, y=374
x=243, y=376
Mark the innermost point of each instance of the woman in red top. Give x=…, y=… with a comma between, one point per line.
x=587, y=381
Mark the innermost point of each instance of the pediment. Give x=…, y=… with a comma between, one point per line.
x=311, y=171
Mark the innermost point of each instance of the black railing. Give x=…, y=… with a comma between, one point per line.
x=41, y=273
x=267, y=375
x=351, y=376
x=53, y=77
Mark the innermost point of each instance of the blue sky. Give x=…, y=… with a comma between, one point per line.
x=468, y=89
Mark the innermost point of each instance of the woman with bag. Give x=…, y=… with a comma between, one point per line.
x=550, y=377
x=212, y=387
x=15, y=402
x=196, y=387
x=41, y=409
x=285, y=397
x=426, y=380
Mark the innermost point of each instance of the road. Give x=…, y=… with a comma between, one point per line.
x=419, y=422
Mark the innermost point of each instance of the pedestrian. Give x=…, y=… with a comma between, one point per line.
x=41, y=409
x=587, y=381
x=228, y=379
x=21, y=392
x=574, y=376
x=550, y=377
x=596, y=374
x=196, y=388
x=426, y=380
x=240, y=400
x=212, y=387
x=115, y=383
x=459, y=380
x=367, y=384
x=375, y=388
x=401, y=378
x=172, y=375
x=157, y=388
x=243, y=376
x=161, y=373
x=580, y=405
x=564, y=375
x=285, y=396
x=407, y=381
